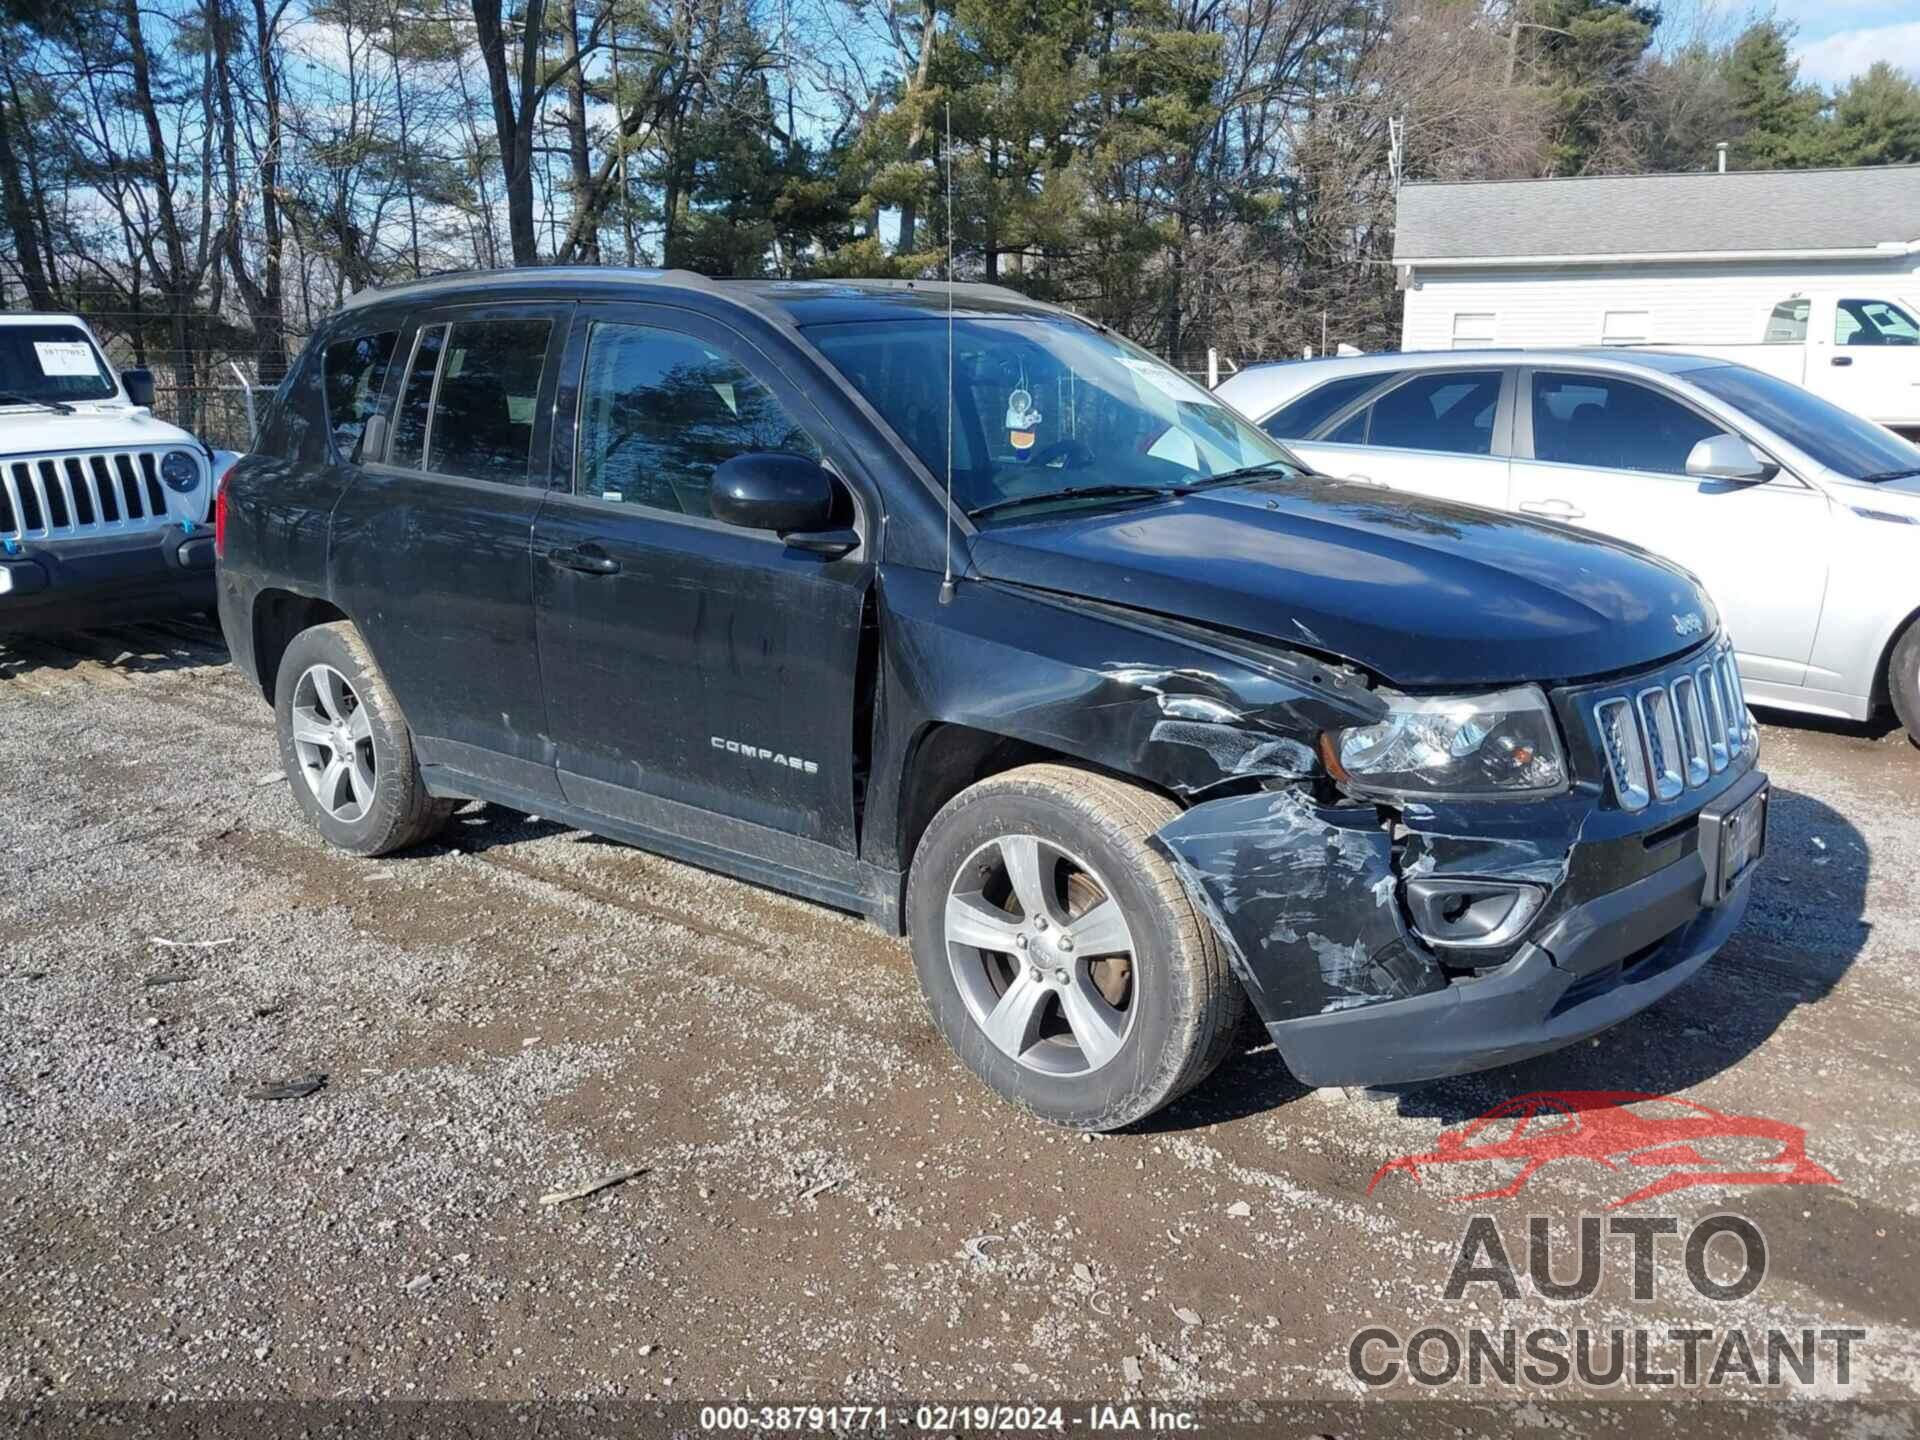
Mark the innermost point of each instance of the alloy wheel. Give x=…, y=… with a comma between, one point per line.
x=333, y=741
x=1042, y=955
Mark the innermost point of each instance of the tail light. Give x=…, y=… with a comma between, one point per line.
x=220, y=512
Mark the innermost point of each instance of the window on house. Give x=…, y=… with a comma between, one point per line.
x=1626, y=327
x=1472, y=328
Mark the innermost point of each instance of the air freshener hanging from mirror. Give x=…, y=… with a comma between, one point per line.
x=1022, y=420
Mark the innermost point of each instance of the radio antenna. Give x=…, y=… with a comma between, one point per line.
x=946, y=576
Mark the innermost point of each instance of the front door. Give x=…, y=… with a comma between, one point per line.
x=694, y=670
x=1873, y=366
x=1610, y=455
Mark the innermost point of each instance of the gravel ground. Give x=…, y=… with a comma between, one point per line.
x=825, y=1205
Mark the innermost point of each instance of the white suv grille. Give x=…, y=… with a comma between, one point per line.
x=1675, y=732
x=54, y=497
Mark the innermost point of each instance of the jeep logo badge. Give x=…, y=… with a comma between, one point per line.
x=1688, y=624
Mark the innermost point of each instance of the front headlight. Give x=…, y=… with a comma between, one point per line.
x=180, y=470
x=1453, y=745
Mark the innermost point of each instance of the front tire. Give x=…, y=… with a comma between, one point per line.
x=346, y=749
x=1060, y=955
x=1903, y=680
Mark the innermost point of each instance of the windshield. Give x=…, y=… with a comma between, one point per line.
x=1042, y=407
x=1842, y=441
x=51, y=364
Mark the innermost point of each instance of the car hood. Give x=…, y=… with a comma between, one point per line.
x=1419, y=591
x=1901, y=497
x=26, y=431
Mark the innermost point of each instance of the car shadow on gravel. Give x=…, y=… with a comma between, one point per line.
x=146, y=648
x=478, y=827
x=1804, y=927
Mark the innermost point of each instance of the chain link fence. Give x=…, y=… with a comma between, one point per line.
x=221, y=415
x=1207, y=367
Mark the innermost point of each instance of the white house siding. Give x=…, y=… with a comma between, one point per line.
x=1698, y=304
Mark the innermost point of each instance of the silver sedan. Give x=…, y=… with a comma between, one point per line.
x=1802, y=519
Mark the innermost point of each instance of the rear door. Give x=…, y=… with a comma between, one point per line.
x=695, y=669
x=1610, y=455
x=1435, y=432
x=432, y=542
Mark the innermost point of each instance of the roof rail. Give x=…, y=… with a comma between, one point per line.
x=519, y=275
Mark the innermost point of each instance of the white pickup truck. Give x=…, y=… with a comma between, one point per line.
x=104, y=507
x=1859, y=348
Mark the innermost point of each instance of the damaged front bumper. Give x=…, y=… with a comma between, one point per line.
x=1310, y=902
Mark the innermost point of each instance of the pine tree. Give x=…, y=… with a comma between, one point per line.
x=1777, y=120
x=1876, y=120
x=1586, y=57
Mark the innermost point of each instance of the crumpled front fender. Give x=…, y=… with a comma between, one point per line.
x=1302, y=897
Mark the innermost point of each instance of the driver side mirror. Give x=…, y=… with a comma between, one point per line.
x=1728, y=457
x=139, y=383
x=799, y=501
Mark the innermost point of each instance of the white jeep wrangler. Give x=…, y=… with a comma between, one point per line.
x=104, y=508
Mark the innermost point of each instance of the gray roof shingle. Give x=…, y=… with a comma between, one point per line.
x=1659, y=214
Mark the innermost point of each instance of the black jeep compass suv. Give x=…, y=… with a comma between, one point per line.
x=1187, y=728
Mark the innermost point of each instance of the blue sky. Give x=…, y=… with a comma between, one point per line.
x=1839, y=38
x=1834, y=39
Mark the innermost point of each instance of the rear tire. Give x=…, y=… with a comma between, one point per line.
x=1903, y=680
x=346, y=749
x=1132, y=1009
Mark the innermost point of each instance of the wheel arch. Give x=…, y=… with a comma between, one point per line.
x=947, y=757
x=1881, y=692
x=279, y=615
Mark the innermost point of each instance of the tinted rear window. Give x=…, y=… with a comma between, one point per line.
x=355, y=372
x=483, y=413
x=1451, y=411
x=1307, y=413
x=410, y=426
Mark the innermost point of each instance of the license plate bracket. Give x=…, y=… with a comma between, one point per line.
x=1732, y=839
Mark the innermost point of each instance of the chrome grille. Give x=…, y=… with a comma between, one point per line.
x=1674, y=731
x=54, y=497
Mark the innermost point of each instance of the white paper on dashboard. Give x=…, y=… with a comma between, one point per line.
x=65, y=357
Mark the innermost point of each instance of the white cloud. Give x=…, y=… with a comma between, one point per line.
x=1817, y=17
x=1837, y=58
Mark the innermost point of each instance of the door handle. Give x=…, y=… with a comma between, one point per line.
x=1366, y=480
x=587, y=559
x=1554, y=509
x=1841, y=360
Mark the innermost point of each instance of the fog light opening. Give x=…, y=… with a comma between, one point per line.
x=1472, y=914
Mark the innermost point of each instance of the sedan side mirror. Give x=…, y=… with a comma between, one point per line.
x=1728, y=457
x=788, y=494
x=139, y=383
